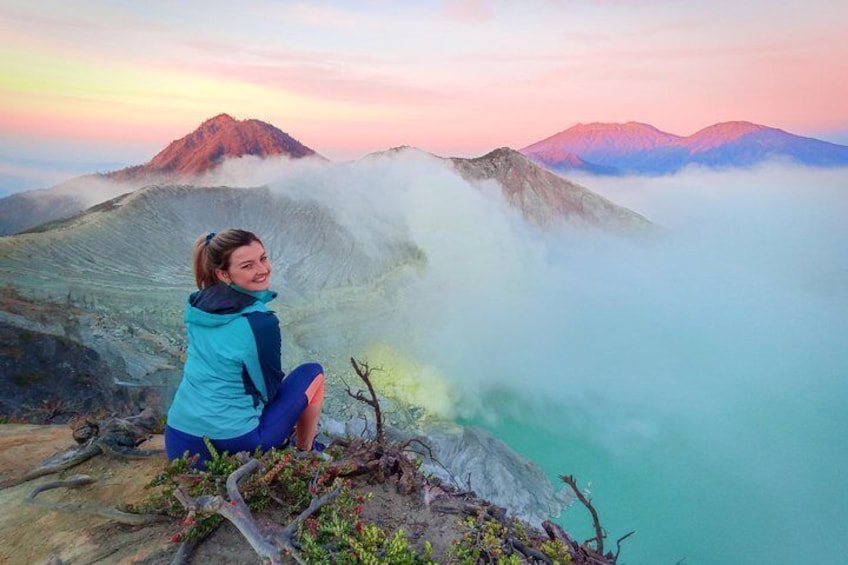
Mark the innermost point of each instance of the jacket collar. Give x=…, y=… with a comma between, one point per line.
x=227, y=299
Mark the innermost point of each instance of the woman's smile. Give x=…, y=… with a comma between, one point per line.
x=249, y=268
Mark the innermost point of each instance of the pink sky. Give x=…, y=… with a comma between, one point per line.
x=105, y=81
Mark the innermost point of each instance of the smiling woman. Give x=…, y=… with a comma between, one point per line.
x=233, y=390
x=248, y=268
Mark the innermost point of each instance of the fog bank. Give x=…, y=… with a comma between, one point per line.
x=695, y=379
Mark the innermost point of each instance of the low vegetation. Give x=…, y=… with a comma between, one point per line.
x=357, y=502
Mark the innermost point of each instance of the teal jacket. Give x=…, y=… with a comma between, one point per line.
x=233, y=365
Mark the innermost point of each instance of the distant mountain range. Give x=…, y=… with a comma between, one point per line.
x=543, y=197
x=602, y=149
x=636, y=148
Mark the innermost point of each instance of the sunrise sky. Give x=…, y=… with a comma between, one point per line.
x=96, y=82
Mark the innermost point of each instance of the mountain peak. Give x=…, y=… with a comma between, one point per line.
x=217, y=139
x=634, y=147
x=218, y=121
x=731, y=129
x=595, y=142
x=721, y=133
x=543, y=197
x=613, y=127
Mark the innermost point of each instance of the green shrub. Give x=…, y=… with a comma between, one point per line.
x=334, y=535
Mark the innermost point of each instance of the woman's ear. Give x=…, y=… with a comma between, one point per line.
x=223, y=276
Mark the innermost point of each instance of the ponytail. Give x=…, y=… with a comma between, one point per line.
x=212, y=252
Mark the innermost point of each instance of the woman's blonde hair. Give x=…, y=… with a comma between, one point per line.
x=212, y=251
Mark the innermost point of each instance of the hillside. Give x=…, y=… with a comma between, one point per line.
x=548, y=199
x=120, y=272
x=421, y=521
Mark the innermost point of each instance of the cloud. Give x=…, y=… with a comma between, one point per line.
x=753, y=260
x=469, y=11
x=18, y=175
x=745, y=286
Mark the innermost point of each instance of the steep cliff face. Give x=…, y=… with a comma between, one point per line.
x=47, y=378
x=48, y=373
x=126, y=266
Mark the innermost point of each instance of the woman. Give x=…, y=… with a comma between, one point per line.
x=233, y=391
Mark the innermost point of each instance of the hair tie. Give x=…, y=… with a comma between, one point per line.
x=209, y=238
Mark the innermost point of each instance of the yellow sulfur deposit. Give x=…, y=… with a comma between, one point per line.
x=409, y=382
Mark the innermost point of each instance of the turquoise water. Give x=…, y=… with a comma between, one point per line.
x=697, y=385
x=694, y=382
x=754, y=489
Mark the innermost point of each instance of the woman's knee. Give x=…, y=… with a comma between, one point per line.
x=313, y=369
x=315, y=390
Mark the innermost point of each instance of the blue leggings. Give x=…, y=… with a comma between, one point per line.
x=276, y=423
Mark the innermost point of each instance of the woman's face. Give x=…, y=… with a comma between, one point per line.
x=249, y=268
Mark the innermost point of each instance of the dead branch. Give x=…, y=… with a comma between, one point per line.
x=62, y=461
x=406, y=446
x=236, y=511
x=117, y=437
x=580, y=555
x=529, y=551
x=555, y=532
x=599, y=532
x=364, y=373
x=618, y=544
x=81, y=480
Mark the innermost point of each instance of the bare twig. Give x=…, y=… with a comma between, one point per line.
x=618, y=544
x=268, y=547
x=599, y=532
x=364, y=373
x=406, y=446
x=81, y=480
x=420, y=442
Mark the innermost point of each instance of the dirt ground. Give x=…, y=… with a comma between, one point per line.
x=31, y=535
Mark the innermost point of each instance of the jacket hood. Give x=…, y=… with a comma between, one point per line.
x=219, y=304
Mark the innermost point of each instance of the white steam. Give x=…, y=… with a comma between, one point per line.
x=715, y=353
x=570, y=316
